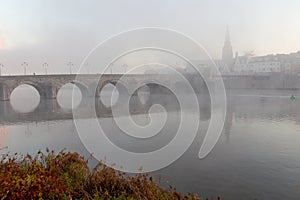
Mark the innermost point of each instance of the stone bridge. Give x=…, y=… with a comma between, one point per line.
x=89, y=84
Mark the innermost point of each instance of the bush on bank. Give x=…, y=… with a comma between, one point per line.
x=66, y=175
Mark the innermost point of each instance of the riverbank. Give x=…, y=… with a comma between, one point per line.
x=66, y=175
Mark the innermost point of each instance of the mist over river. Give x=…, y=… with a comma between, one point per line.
x=256, y=157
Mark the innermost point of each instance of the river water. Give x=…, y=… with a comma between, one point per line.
x=256, y=157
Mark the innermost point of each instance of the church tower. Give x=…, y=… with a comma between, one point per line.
x=227, y=55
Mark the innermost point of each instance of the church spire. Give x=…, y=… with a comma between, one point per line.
x=227, y=38
x=227, y=55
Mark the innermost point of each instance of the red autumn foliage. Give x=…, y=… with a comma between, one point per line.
x=66, y=175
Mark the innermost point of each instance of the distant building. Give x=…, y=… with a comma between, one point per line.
x=227, y=54
x=248, y=64
x=280, y=63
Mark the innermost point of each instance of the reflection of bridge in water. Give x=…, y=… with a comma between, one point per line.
x=49, y=109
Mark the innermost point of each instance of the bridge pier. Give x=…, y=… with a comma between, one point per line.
x=47, y=91
x=4, y=93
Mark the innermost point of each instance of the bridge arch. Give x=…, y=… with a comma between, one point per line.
x=36, y=86
x=64, y=99
x=25, y=92
x=121, y=89
x=143, y=93
x=82, y=87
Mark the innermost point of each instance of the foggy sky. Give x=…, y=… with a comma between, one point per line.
x=58, y=31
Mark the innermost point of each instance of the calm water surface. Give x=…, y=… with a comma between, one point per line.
x=257, y=156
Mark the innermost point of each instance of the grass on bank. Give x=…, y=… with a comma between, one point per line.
x=66, y=175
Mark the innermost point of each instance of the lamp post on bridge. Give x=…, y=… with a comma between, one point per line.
x=87, y=67
x=25, y=65
x=111, y=67
x=1, y=66
x=70, y=64
x=46, y=68
x=125, y=68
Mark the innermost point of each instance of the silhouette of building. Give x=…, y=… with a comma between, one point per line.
x=249, y=64
x=278, y=63
x=227, y=54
